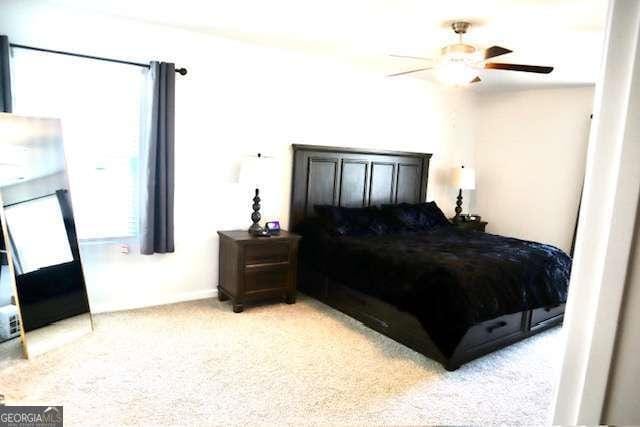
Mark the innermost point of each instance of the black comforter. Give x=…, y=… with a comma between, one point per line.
x=450, y=279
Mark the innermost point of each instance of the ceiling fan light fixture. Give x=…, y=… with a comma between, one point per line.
x=455, y=65
x=460, y=50
x=455, y=74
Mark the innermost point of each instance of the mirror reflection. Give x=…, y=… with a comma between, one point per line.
x=10, y=340
x=41, y=242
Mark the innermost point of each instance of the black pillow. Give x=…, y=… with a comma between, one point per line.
x=414, y=217
x=352, y=221
x=402, y=217
x=433, y=214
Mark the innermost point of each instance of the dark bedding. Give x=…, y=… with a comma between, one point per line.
x=449, y=279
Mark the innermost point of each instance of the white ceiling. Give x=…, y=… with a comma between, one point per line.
x=566, y=34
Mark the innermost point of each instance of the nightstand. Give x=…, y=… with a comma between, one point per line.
x=470, y=225
x=255, y=268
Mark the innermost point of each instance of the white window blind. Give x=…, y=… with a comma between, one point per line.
x=99, y=104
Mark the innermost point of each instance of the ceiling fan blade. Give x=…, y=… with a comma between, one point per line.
x=493, y=51
x=409, y=72
x=519, y=67
x=476, y=80
x=411, y=57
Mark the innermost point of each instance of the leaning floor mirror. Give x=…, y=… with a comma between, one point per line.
x=43, y=297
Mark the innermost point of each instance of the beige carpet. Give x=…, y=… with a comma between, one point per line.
x=198, y=363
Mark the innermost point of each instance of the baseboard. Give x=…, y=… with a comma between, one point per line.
x=109, y=306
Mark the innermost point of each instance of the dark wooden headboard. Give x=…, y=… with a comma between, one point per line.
x=354, y=177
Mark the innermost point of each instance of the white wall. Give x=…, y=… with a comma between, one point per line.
x=530, y=157
x=239, y=99
x=621, y=401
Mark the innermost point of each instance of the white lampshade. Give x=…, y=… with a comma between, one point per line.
x=255, y=170
x=464, y=178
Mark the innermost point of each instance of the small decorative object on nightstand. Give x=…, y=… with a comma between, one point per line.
x=253, y=268
x=471, y=225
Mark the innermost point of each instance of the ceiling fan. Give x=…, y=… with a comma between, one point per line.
x=459, y=62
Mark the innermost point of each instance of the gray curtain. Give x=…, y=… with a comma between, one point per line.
x=156, y=228
x=5, y=76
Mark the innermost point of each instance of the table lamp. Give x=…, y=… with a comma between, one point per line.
x=462, y=179
x=254, y=171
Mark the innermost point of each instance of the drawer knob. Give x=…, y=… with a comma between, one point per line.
x=498, y=325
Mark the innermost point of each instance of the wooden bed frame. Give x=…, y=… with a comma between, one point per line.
x=361, y=177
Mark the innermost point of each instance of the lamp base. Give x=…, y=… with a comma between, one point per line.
x=257, y=231
x=458, y=209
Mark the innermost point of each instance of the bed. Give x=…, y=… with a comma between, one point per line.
x=450, y=294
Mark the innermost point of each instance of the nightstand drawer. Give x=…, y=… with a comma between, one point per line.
x=266, y=278
x=266, y=253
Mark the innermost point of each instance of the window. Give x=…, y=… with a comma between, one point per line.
x=99, y=104
x=39, y=234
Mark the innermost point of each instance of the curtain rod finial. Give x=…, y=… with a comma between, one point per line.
x=181, y=71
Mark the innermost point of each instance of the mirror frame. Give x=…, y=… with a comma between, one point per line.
x=5, y=236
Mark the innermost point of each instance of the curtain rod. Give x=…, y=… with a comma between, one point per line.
x=181, y=71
